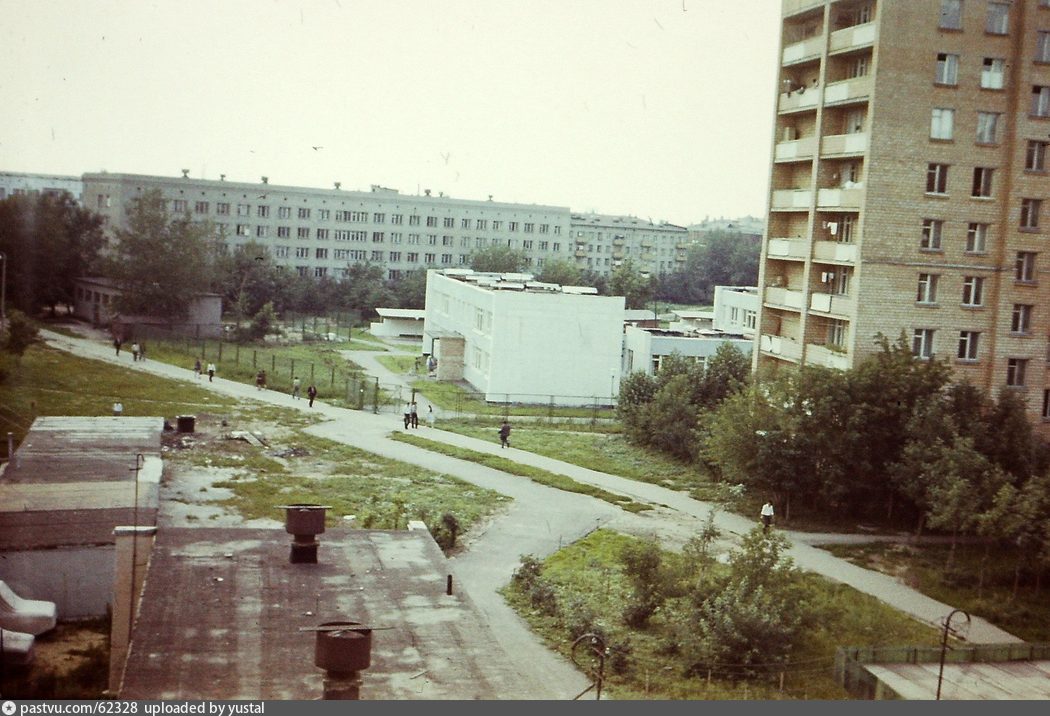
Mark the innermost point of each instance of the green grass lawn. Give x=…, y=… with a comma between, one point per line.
x=456, y=399
x=923, y=567
x=52, y=382
x=543, y=477
x=590, y=589
x=398, y=364
x=602, y=448
x=382, y=493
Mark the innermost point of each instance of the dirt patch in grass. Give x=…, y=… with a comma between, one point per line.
x=69, y=662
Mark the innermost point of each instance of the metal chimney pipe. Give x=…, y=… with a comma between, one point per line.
x=343, y=653
x=304, y=522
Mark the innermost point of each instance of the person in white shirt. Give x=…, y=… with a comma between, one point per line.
x=767, y=515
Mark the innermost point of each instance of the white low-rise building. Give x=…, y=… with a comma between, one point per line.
x=516, y=340
x=398, y=323
x=695, y=334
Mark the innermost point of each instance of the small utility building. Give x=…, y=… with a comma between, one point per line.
x=517, y=340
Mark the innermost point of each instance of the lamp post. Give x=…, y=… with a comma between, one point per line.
x=944, y=645
x=3, y=292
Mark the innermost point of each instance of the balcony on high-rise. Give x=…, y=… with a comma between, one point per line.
x=802, y=98
x=791, y=199
x=849, y=90
x=793, y=150
x=783, y=297
x=844, y=144
x=852, y=38
x=831, y=303
x=781, y=347
x=840, y=198
x=834, y=251
x=794, y=249
x=822, y=355
x=807, y=49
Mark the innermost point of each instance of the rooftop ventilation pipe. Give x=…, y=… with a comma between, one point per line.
x=304, y=522
x=343, y=650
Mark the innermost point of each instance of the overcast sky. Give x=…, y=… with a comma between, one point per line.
x=658, y=108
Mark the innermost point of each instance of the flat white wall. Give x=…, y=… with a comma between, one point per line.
x=79, y=580
x=640, y=346
x=528, y=346
x=397, y=327
x=728, y=298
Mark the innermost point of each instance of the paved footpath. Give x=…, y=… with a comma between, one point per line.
x=540, y=520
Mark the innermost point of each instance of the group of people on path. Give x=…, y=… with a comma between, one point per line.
x=210, y=369
x=138, y=350
x=411, y=415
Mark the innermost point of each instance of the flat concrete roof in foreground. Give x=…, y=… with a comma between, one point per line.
x=222, y=609
x=1009, y=680
x=72, y=481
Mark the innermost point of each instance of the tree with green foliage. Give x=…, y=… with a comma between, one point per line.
x=563, y=272
x=635, y=286
x=363, y=289
x=49, y=241
x=410, y=290
x=21, y=333
x=644, y=569
x=498, y=259
x=159, y=261
x=756, y=615
x=722, y=258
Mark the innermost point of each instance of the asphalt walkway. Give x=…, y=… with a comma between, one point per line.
x=540, y=520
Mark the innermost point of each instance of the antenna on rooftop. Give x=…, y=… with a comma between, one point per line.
x=185, y=173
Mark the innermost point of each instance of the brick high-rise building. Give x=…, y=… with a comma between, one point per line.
x=908, y=188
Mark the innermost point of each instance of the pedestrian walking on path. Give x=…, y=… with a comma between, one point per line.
x=134, y=351
x=197, y=369
x=211, y=372
x=430, y=415
x=296, y=384
x=504, y=435
x=414, y=413
x=408, y=414
x=260, y=380
x=311, y=393
x=767, y=515
x=142, y=350
x=116, y=344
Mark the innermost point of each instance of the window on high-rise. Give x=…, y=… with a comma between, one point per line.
x=976, y=238
x=284, y=212
x=1035, y=156
x=1021, y=319
x=936, y=178
x=1042, y=46
x=942, y=123
x=1015, y=372
x=951, y=14
x=1024, y=268
x=992, y=71
x=988, y=127
x=858, y=67
x=968, y=345
x=947, y=69
x=1041, y=100
x=973, y=291
x=838, y=333
x=931, y=234
x=998, y=19
x=1030, y=213
x=982, y=181
x=927, y=291
x=922, y=343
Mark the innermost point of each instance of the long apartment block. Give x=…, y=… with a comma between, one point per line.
x=320, y=232
x=907, y=188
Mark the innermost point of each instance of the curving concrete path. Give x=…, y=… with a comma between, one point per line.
x=540, y=520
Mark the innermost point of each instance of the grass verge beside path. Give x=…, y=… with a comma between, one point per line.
x=923, y=568
x=52, y=382
x=589, y=593
x=543, y=477
x=597, y=448
x=455, y=399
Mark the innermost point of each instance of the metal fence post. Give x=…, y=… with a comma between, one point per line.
x=375, y=402
x=254, y=356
